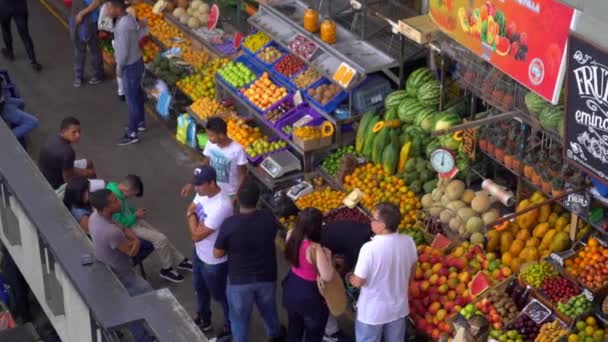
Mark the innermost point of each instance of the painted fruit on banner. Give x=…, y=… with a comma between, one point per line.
x=525, y=39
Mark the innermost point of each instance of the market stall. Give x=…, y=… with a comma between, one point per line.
x=499, y=183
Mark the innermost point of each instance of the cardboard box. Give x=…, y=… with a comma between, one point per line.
x=419, y=29
x=312, y=145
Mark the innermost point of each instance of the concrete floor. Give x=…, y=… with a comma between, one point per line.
x=161, y=162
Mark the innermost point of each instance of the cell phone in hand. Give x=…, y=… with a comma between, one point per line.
x=86, y=260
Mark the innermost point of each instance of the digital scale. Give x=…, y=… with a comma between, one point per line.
x=281, y=163
x=299, y=190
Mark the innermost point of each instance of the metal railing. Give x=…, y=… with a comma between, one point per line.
x=83, y=303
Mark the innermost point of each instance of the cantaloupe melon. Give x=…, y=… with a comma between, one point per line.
x=466, y=213
x=490, y=216
x=184, y=18
x=194, y=23
x=474, y=225
x=455, y=189
x=426, y=201
x=467, y=196
x=446, y=215
x=481, y=202
x=178, y=12
x=455, y=205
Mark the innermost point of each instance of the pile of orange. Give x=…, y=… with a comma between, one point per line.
x=593, y=253
x=378, y=186
x=205, y=108
x=195, y=57
x=325, y=200
x=241, y=132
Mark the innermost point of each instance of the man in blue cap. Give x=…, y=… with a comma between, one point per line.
x=205, y=216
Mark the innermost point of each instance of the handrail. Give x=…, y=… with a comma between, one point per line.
x=108, y=301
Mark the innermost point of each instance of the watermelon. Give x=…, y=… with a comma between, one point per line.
x=417, y=79
x=499, y=18
x=432, y=146
x=214, y=17
x=408, y=109
x=391, y=114
x=424, y=119
x=457, y=107
x=444, y=120
x=394, y=99
x=535, y=103
x=479, y=284
x=428, y=94
x=551, y=116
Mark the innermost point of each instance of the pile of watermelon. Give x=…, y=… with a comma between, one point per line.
x=550, y=117
x=418, y=103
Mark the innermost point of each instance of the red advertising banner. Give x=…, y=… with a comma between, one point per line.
x=525, y=39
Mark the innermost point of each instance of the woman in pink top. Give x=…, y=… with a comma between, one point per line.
x=306, y=308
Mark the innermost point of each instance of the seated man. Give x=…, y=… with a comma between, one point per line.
x=132, y=218
x=20, y=122
x=57, y=160
x=112, y=247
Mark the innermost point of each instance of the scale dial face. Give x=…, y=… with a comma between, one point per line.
x=443, y=160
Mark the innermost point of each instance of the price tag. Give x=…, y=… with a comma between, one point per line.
x=578, y=202
x=238, y=39
x=297, y=98
x=469, y=142
x=557, y=258
x=344, y=75
x=588, y=295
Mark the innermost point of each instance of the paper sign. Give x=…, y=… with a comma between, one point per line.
x=588, y=295
x=469, y=142
x=344, y=75
x=578, y=203
x=297, y=98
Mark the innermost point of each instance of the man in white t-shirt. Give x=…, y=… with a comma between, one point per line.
x=227, y=157
x=210, y=208
x=383, y=273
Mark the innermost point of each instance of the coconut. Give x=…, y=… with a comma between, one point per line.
x=184, y=18
x=178, y=12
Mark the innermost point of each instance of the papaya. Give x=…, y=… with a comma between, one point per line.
x=515, y=264
x=516, y=247
x=533, y=242
x=369, y=137
x=561, y=222
x=362, y=130
x=404, y=154
x=506, y=239
x=547, y=239
x=540, y=230
x=528, y=219
x=544, y=213
x=552, y=218
x=523, y=235
x=529, y=254
x=390, y=156
x=493, y=240
x=537, y=197
x=560, y=242
x=380, y=141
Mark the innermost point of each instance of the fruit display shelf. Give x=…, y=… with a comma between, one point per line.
x=195, y=36
x=283, y=22
x=252, y=111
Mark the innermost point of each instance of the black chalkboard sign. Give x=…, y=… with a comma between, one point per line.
x=578, y=203
x=586, y=118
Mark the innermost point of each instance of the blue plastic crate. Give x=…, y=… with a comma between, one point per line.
x=271, y=44
x=285, y=80
x=332, y=104
x=249, y=64
x=295, y=86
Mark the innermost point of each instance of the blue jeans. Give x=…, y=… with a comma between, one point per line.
x=132, y=75
x=210, y=282
x=392, y=331
x=136, y=285
x=85, y=36
x=145, y=248
x=240, y=301
x=20, y=122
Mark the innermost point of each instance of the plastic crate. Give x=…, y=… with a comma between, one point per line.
x=249, y=64
x=258, y=159
x=288, y=98
x=296, y=114
x=332, y=104
x=295, y=86
x=286, y=80
x=260, y=110
x=271, y=44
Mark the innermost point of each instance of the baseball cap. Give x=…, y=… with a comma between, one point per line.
x=203, y=174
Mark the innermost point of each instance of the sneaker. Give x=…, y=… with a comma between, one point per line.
x=171, y=275
x=185, y=265
x=8, y=54
x=141, y=127
x=128, y=140
x=223, y=334
x=95, y=80
x=77, y=83
x=36, y=66
x=335, y=337
x=205, y=326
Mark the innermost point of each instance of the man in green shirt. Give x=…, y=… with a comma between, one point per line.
x=132, y=218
